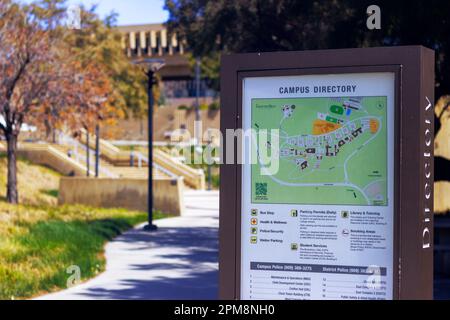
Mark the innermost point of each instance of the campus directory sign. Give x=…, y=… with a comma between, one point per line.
x=321, y=188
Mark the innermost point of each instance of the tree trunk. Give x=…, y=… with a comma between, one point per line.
x=12, y=195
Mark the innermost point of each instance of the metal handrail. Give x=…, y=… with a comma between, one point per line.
x=81, y=158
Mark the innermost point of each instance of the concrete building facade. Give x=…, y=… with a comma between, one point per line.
x=178, y=84
x=155, y=41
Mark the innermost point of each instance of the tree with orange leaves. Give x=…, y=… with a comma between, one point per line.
x=41, y=81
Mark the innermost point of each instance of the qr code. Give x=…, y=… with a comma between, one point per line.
x=261, y=189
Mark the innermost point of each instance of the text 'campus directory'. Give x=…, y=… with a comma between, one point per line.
x=317, y=203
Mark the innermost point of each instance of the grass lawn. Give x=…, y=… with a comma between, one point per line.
x=39, y=241
x=37, y=185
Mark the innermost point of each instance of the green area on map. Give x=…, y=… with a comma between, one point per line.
x=332, y=151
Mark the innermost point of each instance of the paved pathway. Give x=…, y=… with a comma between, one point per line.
x=179, y=261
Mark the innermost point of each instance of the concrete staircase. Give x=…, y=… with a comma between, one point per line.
x=109, y=170
x=164, y=164
x=51, y=156
x=107, y=166
x=69, y=158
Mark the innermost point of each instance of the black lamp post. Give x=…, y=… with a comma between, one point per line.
x=209, y=165
x=97, y=150
x=88, y=155
x=151, y=67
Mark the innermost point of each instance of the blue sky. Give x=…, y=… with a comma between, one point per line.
x=130, y=11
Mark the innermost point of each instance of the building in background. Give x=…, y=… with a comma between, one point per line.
x=178, y=85
x=153, y=40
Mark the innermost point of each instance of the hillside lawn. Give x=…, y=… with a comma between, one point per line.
x=39, y=240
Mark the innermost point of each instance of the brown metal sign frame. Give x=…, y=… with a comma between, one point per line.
x=413, y=67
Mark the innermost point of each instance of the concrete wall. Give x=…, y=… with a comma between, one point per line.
x=48, y=156
x=122, y=193
x=166, y=119
x=194, y=178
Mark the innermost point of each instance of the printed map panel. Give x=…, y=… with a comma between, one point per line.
x=332, y=151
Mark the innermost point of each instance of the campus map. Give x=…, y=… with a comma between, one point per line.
x=332, y=151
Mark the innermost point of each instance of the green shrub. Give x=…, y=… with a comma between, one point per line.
x=214, y=106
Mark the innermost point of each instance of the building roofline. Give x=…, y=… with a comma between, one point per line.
x=141, y=27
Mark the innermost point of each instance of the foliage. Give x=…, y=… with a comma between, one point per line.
x=214, y=106
x=209, y=68
x=38, y=244
x=55, y=78
x=204, y=107
x=212, y=27
x=44, y=80
x=41, y=80
x=32, y=75
x=99, y=41
x=39, y=241
x=215, y=179
x=183, y=107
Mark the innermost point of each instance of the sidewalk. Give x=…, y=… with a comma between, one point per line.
x=179, y=261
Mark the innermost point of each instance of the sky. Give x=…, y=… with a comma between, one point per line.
x=130, y=11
